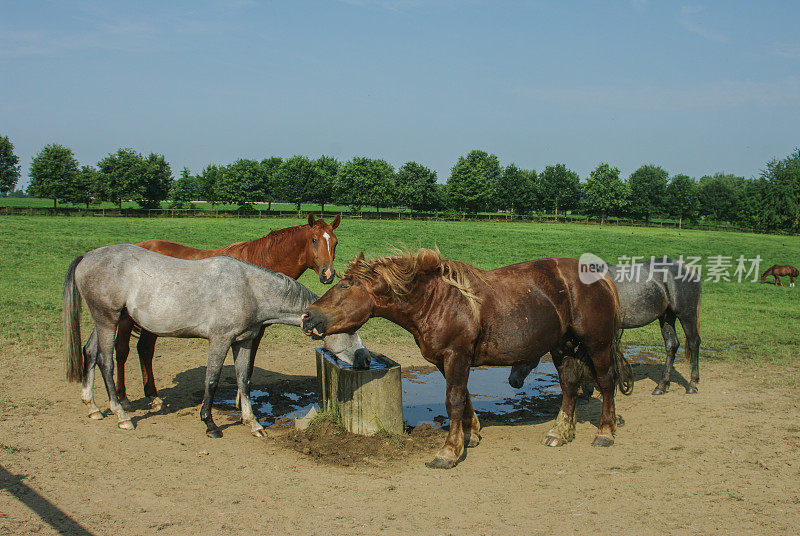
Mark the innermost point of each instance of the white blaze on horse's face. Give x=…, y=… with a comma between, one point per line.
x=327, y=238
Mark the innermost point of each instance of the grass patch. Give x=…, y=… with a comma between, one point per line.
x=739, y=320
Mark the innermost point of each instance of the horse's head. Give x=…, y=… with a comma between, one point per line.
x=347, y=305
x=321, y=247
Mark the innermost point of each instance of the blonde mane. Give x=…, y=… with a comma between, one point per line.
x=401, y=270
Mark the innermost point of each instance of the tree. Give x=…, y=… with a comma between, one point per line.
x=208, y=184
x=9, y=166
x=320, y=189
x=53, y=173
x=270, y=170
x=84, y=189
x=472, y=179
x=559, y=188
x=719, y=196
x=604, y=193
x=648, y=186
x=241, y=183
x=183, y=190
x=416, y=187
x=784, y=177
x=515, y=189
x=680, y=198
x=296, y=179
x=758, y=206
x=364, y=181
x=122, y=176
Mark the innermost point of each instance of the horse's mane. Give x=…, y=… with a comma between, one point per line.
x=262, y=250
x=401, y=270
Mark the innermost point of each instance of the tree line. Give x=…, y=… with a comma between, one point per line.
x=477, y=183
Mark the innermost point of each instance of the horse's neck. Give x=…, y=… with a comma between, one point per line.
x=286, y=255
x=414, y=311
x=281, y=300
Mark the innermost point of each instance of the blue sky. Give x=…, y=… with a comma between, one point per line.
x=696, y=87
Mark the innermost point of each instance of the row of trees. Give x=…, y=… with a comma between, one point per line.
x=477, y=182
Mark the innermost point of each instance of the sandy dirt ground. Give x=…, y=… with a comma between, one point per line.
x=724, y=461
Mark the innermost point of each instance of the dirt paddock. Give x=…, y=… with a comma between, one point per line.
x=724, y=461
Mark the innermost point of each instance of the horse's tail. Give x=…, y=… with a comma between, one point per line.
x=73, y=358
x=623, y=372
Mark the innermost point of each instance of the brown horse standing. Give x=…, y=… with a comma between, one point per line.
x=290, y=251
x=463, y=317
x=778, y=270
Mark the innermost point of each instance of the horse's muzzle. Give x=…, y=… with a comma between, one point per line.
x=314, y=324
x=326, y=276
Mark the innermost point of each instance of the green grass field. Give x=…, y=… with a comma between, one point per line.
x=739, y=320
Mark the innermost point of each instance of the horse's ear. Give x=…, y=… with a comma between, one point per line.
x=360, y=256
x=336, y=221
x=311, y=219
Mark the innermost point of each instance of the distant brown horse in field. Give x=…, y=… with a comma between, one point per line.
x=463, y=317
x=290, y=251
x=779, y=270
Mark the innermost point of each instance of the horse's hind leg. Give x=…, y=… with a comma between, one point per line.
x=563, y=431
x=105, y=336
x=90, y=350
x=692, y=333
x=146, y=348
x=122, y=348
x=606, y=383
x=241, y=361
x=671, y=344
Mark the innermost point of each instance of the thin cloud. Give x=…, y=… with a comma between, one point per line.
x=688, y=19
x=726, y=93
x=787, y=50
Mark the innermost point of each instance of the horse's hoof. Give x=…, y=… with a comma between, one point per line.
x=602, y=441
x=659, y=391
x=474, y=440
x=260, y=433
x=441, y=463
x=551, y=441
x=125, y=425
x=691, y=390
x=125, y=403
x=96, y=415
x=157, y=404
x=216, y=433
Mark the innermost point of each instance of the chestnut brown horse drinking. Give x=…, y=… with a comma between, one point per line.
x=289, y=251
x=463, y=317
x=778, y=271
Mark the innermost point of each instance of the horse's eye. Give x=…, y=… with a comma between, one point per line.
x=313, y=240
x=344, y=286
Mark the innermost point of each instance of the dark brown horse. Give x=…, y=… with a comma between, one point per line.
x=290, y=251
x=779, y=270
x=463, y=317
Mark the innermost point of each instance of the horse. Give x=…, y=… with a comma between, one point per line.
x=663, y=289
x=290, y=251
x=778, y=270
x=221, y=299
x=463, y=317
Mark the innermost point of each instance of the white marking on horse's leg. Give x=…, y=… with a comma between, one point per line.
x=87, y=395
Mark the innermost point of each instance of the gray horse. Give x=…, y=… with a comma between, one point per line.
x=663, y=289
x=221, y=299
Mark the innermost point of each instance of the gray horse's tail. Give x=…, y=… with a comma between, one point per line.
x=623, y=372
x=73, y=358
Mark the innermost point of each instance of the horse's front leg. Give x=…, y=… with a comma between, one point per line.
x=241, y=360
x=146, y=348
x=671, y=345
x=602, y=360
x=563, y=431
x=472, y=426
x=456, y=373
x=253, y=351
x=217, y=349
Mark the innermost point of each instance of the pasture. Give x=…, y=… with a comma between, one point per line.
x=726, y=457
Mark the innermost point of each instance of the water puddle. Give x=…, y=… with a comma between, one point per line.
x=424, y=393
